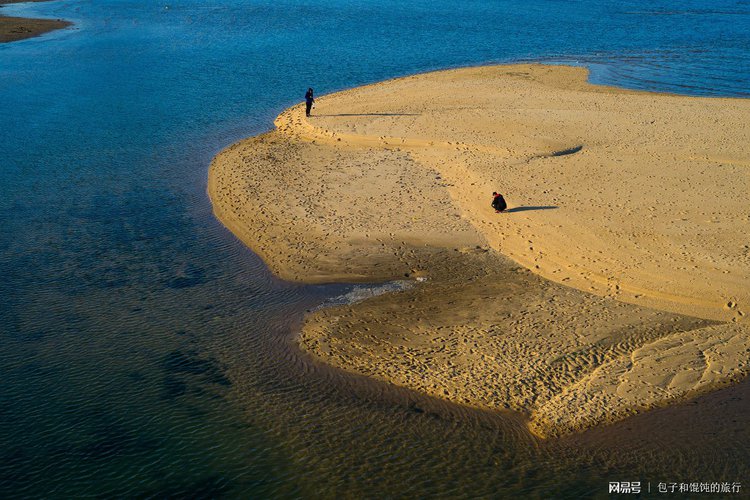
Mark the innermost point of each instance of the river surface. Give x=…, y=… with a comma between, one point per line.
x=145, y=352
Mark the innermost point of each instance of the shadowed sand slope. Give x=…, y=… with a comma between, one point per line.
x=635, y=201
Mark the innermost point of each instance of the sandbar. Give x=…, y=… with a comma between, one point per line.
x=19, y=28
x=617, y=281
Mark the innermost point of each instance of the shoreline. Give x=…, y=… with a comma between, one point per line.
x=382, y=183
x=13, y=29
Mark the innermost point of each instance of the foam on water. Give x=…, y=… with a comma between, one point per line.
x=363, y=292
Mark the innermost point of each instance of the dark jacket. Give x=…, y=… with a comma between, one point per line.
x=498, y=203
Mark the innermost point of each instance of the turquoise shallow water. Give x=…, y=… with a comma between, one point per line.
x=144, y=352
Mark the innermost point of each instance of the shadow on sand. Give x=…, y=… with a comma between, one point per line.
x=374, y=114
x=525, y=209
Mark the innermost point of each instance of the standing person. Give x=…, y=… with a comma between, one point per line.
x=498, y=202
x=309, y=100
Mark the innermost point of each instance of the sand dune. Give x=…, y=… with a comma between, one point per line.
x=635, y=202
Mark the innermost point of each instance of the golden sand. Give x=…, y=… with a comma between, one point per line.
x=633, y=246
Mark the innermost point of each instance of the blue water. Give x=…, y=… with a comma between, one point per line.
x=145, y=352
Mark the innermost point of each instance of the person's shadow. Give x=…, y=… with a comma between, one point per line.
x=525, y=209
x=374, y=114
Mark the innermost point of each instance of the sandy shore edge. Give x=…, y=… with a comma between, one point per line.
x=19, y=28
x=391, y=180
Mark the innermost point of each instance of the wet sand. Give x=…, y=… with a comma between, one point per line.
x=617, y=281
x=19, y=28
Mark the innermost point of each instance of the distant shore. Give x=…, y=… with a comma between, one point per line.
x=617, y=281
x=19, y=28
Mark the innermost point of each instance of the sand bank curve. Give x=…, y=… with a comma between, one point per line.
x=634, y=197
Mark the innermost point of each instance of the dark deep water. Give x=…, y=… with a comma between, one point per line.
x=144, y=352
